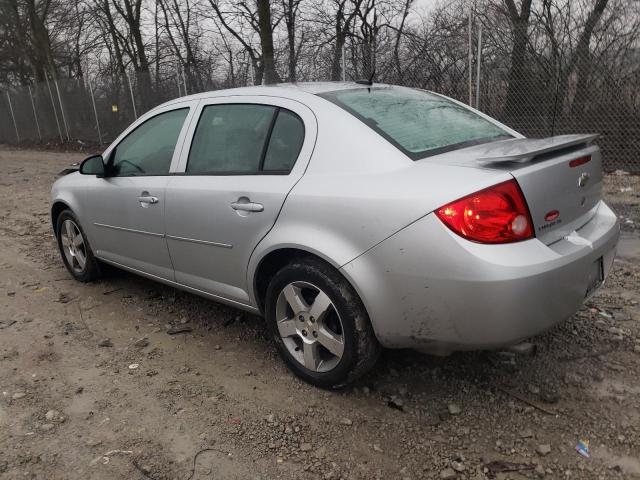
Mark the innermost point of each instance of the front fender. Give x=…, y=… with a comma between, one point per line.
x=67, y=191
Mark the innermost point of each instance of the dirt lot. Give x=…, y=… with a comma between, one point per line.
x=217, y=403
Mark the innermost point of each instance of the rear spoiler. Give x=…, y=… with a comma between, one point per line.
x=523, y=150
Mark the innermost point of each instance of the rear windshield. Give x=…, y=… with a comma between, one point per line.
x=419, y=123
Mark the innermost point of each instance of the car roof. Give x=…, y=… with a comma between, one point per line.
x=321, y=87
x=296, y=90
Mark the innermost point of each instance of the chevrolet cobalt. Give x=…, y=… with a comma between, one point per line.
x=352, y=217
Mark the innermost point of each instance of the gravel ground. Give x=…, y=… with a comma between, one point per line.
x=92, y=386
x=623, y=193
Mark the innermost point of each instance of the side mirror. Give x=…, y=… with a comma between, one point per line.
x=93, y=165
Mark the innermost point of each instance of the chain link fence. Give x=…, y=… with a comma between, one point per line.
x=94, y=111
x=83, y=110
x=550, y=103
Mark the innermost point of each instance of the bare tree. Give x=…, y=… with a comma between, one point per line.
x=130, y=11
x=236, y=19
x=583, y=57
x=290, y=9
x=398, y=38
x=517, y=74
x=548, y=65
x=179, y=28
x=117, y=39
x=343, y=18
x=265, y=31
x=17, y=61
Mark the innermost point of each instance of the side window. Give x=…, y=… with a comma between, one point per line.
x=149, y=148
x=230, y=138
x=285, y=143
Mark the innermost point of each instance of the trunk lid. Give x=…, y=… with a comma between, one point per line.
x=561, y=197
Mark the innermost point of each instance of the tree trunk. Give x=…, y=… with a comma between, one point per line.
x=133, y=19
x=517, y=89
x=266, y=41
x=114, y=37
x=342, y=28
x=584, y=60
x=290, y=20
x=41, y=43
x=336, y=61
x=396, y=46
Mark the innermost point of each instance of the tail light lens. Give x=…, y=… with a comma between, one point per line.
x=579, y=161
x=497, y=214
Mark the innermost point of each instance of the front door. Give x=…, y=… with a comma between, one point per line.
x=247, y=153
x=126, y=208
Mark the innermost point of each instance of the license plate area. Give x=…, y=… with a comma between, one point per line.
x=596, y=277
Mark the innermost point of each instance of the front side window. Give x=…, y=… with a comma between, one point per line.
x=419, y=123
x=148, y=150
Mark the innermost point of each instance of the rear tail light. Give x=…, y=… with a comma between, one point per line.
x=497, y=214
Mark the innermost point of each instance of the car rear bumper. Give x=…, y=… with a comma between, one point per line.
x=425, y=287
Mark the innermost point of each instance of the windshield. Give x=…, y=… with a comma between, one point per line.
x=419, y=123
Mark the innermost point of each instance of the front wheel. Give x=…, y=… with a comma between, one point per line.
x=74, y=248
x=319, y=324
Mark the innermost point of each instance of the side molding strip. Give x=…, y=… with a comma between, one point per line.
x=142, y=232
x=202, y=242
x=162, y=235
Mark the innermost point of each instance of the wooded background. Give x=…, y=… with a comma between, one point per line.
x=84, y=69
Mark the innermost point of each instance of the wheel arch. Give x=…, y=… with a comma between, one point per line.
x=276, y=258
x=57, y=208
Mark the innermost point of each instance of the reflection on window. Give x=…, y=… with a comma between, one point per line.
x=419, y=123
x=148, y=150
x=230, y=138
x=285, y=143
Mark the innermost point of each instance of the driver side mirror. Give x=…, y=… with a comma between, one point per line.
x=93, y=165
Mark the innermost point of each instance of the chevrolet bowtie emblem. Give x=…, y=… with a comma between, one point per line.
x=583, y=179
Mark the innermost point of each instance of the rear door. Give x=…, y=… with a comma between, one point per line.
x=245, y=154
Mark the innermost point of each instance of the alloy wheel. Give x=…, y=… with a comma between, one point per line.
x=73, y=246
x=310, y=326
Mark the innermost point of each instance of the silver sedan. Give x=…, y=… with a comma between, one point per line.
x=353, y=217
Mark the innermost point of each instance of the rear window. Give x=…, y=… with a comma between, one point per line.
x=419, y=123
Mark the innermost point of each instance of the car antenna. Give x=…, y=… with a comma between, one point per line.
x=369, y=81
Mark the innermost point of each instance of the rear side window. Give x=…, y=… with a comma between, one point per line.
x=148, y=149
x=245, y=139
x=285, y=143
x=230, y=139
x=419, y=123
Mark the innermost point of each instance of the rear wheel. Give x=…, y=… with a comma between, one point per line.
x=319, y=324
x=74, y=248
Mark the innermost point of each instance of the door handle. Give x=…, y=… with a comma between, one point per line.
x=147, y=199
x=247, y=206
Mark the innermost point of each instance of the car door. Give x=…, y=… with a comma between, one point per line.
x=246, y=153
x=125, y=209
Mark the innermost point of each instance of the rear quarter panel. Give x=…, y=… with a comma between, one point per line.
x=358, y=190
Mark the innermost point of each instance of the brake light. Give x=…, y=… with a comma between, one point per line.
x=497, y=214
x=579, y=161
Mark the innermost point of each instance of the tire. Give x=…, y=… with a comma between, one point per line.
x=73, y=253
x=343, y=326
